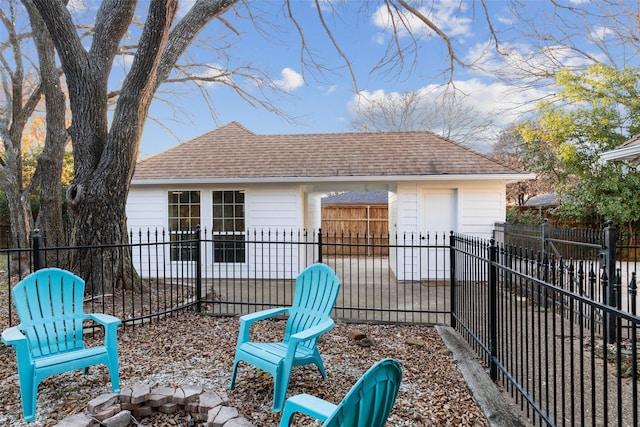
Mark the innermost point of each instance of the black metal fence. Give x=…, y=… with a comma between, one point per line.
x=171, y=275
x=613, y=254
x=541, y=322
x=532, y=319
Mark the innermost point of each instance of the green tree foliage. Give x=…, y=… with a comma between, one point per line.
x=592, y=112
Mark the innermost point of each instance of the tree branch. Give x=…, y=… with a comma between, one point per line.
x=186, y=31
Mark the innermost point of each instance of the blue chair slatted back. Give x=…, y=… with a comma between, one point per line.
x=371, y=399
x=316, y=293
x=50, y=306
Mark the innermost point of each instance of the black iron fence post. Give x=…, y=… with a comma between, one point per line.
x=36, y=249
x=544, y=234
x=198, y=271
x=452, y=275
x=319, y=244
x=633, y=291
x=610, y=236
x=493, y=311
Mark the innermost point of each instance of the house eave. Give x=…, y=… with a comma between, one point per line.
x=509, y=178
x=631, y=153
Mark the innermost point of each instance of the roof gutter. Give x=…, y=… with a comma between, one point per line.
x=509, y=178
x=631, y=152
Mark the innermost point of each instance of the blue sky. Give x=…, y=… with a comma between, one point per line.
x=325, y=102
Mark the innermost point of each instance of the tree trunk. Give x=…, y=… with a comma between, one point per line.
x=47, y=177
x=99, y=232
x=20, y=217
x=105, y=156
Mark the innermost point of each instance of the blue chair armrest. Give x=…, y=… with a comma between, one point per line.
x=248, y=319
x=14, y=337
x=264, y=314
x=110, y=324
x=315, y=331
x=104, y=319
x=302, y=336
x=306, y=404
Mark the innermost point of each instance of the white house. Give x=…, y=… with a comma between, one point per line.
x=629, y=151
x=233, y=181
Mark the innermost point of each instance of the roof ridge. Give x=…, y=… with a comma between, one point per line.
x=234, y=124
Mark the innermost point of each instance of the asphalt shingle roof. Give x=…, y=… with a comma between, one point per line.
x=232, y=151
x=357, y=197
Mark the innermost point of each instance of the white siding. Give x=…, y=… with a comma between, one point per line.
x=273, y=208
x=276, y=210
x=477, y=206
x=147, y=208
x=481, y=207
x=313, y=208
x=407, y=202
x=393, y=221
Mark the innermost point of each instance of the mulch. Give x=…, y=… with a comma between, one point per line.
x=192, y=349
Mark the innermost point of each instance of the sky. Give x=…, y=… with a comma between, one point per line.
x=327, y=101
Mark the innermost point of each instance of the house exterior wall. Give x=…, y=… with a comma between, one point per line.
x=393, y=226
x=313, y=209
x=471, y=208
x=272, y=212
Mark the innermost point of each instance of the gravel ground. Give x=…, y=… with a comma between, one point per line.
x=194, y=349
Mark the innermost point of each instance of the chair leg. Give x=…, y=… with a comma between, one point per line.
x=28, y=389
x=233, y=374
x=317, y=360
x=29, y=396
x=287, y=415
x=280, y=384
x=115, y=377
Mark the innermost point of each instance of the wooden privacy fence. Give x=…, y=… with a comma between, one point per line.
x=356, y=229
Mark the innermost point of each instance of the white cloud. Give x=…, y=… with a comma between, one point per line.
x=76, y=6
x=524, y=63
x=599, y=33
x=448, y=15
x=488, y=107
x=291, y=80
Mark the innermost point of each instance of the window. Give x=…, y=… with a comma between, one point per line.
x=184, y=217
x=228, y=226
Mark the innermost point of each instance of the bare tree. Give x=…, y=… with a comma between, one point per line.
x=446, y=114
x=22, y=93
x=543, y=38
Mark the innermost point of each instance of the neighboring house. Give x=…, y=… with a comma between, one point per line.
x=543, y=201
x=630, y=151
x=233, y=181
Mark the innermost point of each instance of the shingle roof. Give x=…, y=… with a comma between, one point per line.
x=357, y=197
x=233, y=152
x=543, y=201
x=634, y=140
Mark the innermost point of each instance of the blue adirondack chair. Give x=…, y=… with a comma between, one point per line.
x=309, y=317
x=48, y=340
x=368, y=403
